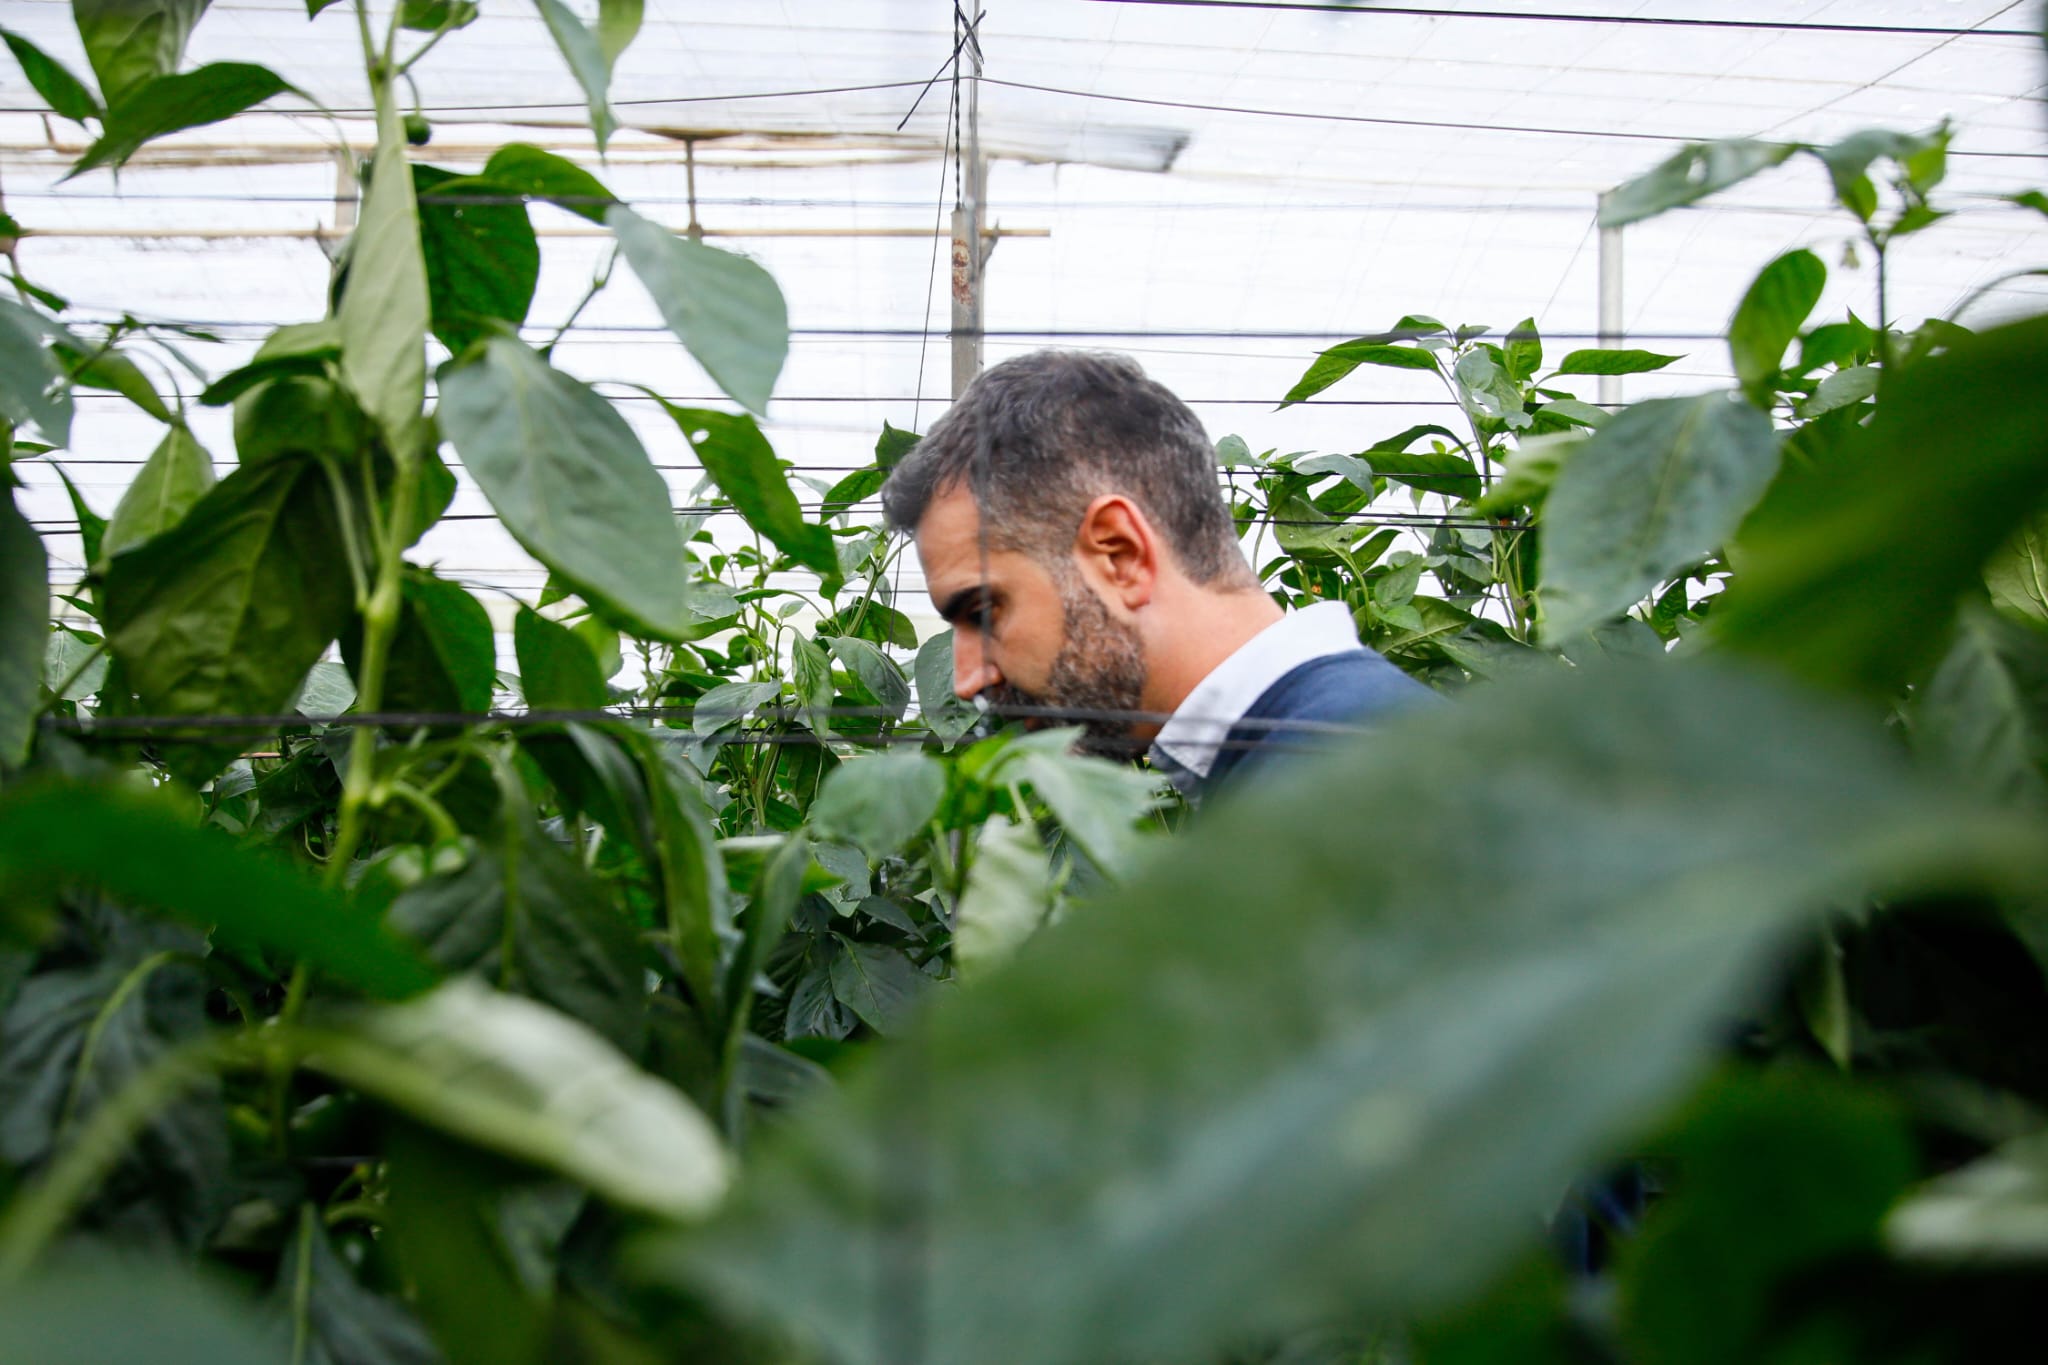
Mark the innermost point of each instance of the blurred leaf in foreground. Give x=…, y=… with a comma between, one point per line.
x=1343, y=1075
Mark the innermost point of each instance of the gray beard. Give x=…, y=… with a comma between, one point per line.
x=1100, y=667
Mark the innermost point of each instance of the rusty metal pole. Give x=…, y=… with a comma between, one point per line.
x=968, y=250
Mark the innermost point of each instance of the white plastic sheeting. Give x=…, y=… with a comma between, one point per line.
x=1225, y=189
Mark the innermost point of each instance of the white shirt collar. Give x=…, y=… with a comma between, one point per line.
x=1194, y=734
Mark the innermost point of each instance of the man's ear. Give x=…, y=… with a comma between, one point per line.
x=1119, y=550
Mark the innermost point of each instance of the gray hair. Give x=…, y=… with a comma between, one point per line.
x=1038, y=437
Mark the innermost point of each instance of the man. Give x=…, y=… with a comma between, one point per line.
x=1073, y=532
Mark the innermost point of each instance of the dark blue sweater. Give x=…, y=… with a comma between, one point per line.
x=1337, y=690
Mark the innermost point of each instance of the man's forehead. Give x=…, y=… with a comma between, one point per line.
x=949, y=543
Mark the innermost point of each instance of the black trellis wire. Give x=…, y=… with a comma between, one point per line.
x=211, y=728
x=1615, y=20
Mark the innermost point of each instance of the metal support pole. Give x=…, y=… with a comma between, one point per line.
x=969, y=250
x=1610, y=305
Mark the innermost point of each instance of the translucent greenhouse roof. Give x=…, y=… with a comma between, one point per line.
x=1218, y=189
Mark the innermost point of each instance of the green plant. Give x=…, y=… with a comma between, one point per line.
x=698, y=1018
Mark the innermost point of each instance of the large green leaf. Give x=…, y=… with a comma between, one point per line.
x=482, y=258
x=1658, y=488
x=1340, y=360
x=174, y=477
x=726, y=309
x=618, y=23
x=536, y=174
x=529, y=915
x=24, y=629
x=1098, y=803
x=61, y=90
x=743, y=465
x=2018, y=574
x=1336, y=1079
x=170, y=104
x=1768, y=319
x=1984, y=713
x=1614, y=362
x=880, y=802
x=33, y=389
x=223, y=614
x=1690, y=175
x=938, y=706
x=444, y=654
x=571, y=481
x=1008, y=896
x=385, y=306
x=584, y=51
x=1852, y=566
x=143, y=850
x=557, y=671
x=130, y=42
x=521, y=1079
x=167, y=1316
x=879, y=675
x=1774, y=1176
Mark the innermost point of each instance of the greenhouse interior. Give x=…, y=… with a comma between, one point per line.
x=905, y=682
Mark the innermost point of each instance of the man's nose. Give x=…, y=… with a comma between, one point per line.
x=972, y=671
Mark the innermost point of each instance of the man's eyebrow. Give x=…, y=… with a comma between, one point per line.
x=961, y=603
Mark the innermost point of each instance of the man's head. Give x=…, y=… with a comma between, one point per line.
x=1068, y=515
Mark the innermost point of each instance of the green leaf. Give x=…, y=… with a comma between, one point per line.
x=2018, y=574
x=1769, y=317
x=1992, y=1211
x=1660, y=487
x=1098, y=803
x=729, y=703
x=295, y=349
x=1852, y=567
x=176, y=475
x=584, y=52
x=938, y=705
x=878, y=673
x=33, y=387
x=385, y=306
x=1486, y=388
x=1841, y=344
x=431, y=16
x=130, y=42
x=1523, y=351
x=528, y=914
x=1843, y=388
x=618, y=23
x=444, y=654
x=24, y=630
x=1008, y=896
x=856, y=487
x=61, y=90
x=1432, y=471
x=343, y=1321
x=1774, y=1175
x=1340, y=360
x=880, y=802
x=571, y=481
x=169, y=1316
x=1848, y=162
x=523, y=1080
x=1176, y=1124
x=528, y=170
x=1690, y=175
x=482, y=258
x=556, y=669
x=92, y=527
x=1351, y=468
x=108, y=369
x=892, y=445
x=170, y=104
x=1984, y=713
x=726, y=309
x=223, y=614
x=1595, y=361
x=878, y=983
x=142, y=849
x=743, y=465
